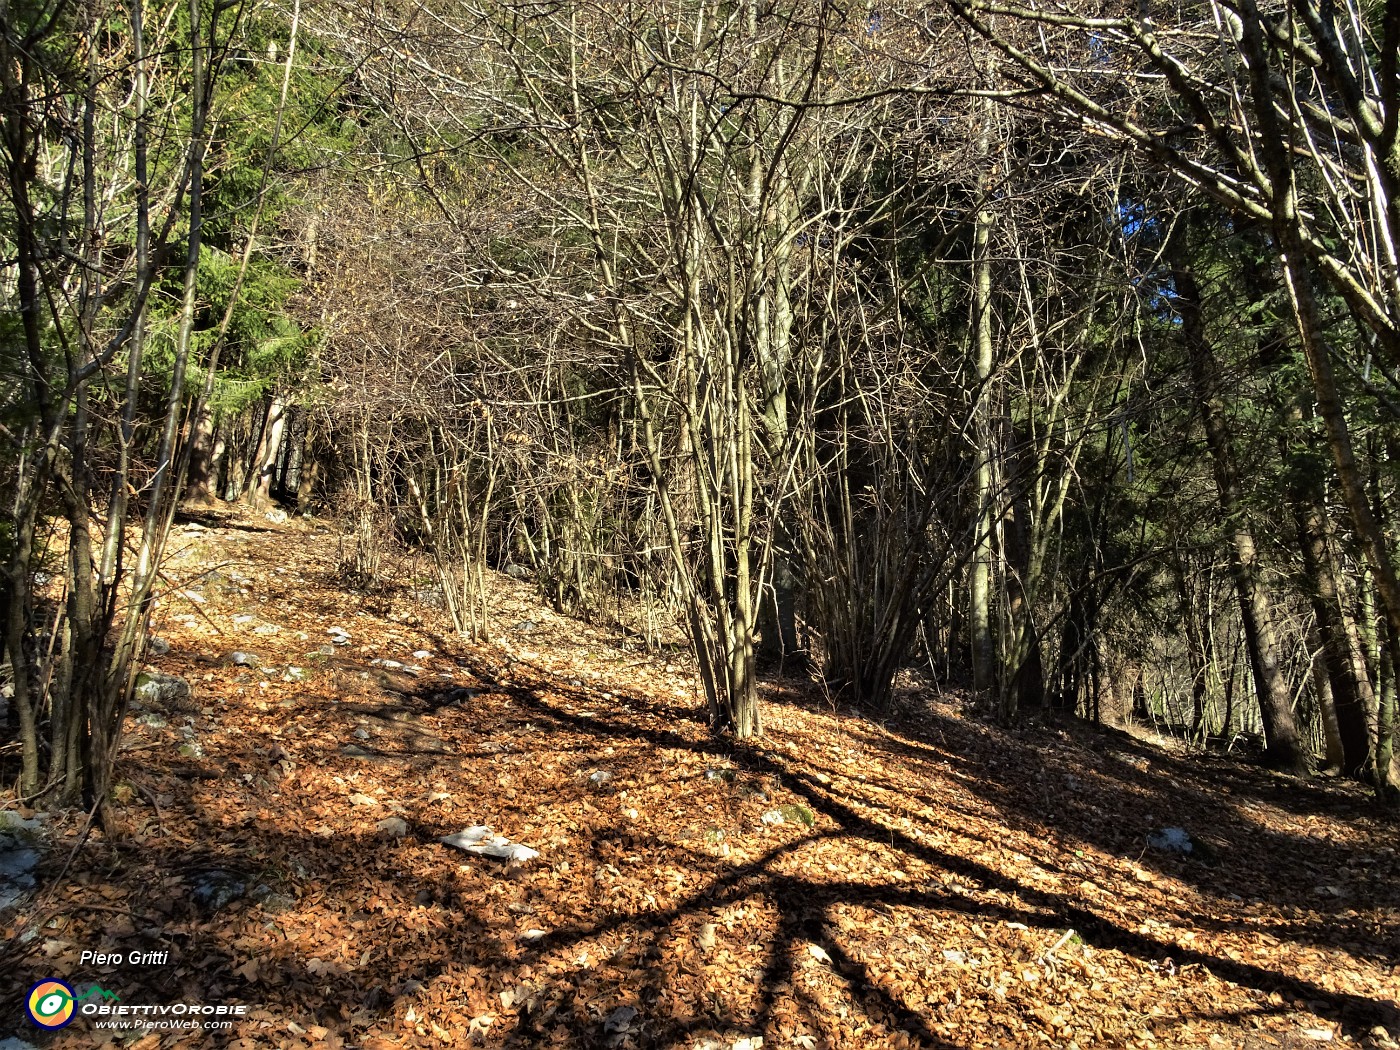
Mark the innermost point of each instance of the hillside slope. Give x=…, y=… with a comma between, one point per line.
x=835, y=884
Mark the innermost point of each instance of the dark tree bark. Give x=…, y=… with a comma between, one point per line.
x=1284, y=746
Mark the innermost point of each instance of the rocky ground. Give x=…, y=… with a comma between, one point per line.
x=933, y=881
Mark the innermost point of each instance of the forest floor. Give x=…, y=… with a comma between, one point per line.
x=931, y=881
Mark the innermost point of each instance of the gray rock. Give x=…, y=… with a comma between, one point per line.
x=157, y=646
x=525, y=626
x=620, y=1021
x=191, y=749
x=517, y=572
x=361, y=734
x=242, y=659
x=14, y=1042
x=21, y=829
x=392, y=827
x=163, y=691
x=708, y=937
x=458, y=695
x=432, y=597
x=1173, y=840
x=480, y=839
x=213, y=890
x=17, y=864
x=271, y=901
x=153, y=720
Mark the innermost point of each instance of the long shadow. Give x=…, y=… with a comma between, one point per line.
x=443, y=931
x=1059, y=912
x=1058, y=786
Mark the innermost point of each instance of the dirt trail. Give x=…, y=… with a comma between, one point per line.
x=836, y=884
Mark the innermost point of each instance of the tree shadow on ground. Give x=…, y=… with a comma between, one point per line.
x=371, y=916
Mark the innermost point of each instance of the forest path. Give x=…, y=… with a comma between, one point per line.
x=834, y=884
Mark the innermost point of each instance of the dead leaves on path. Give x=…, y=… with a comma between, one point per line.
x=835, y=885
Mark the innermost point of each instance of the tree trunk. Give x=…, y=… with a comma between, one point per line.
x=1198, y=651
x=260, y=491
x=1026, y=664
x=979, y=614
x=202, y=479
x=1349, y=690
x=309, y=472
x=1284, y=747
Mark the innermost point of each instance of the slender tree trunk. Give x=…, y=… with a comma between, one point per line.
x=309, y=476
x=1026, y=666
x=203, y=474
x=1198, y=653
x=260, y=492
x=1348, y=692
x=979, y=617
x=1284, y=746
x=1334, y=752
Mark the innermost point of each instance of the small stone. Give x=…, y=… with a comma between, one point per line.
x=361, y=734
x=361, y=799
x=1173, y=840
x=620, y=1020
x=16, y=874
x=213, y=890
x=165, y=691
x=432, y=597
x=271, y=901
x=707, y=938
x=157, y=646
x=421, y=654
x=525, y=626
x=393, y=827
x=242, y=659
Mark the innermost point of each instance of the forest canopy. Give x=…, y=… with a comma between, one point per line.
x=1050, y=353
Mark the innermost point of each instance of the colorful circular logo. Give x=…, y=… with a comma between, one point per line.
x=50, y=1004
